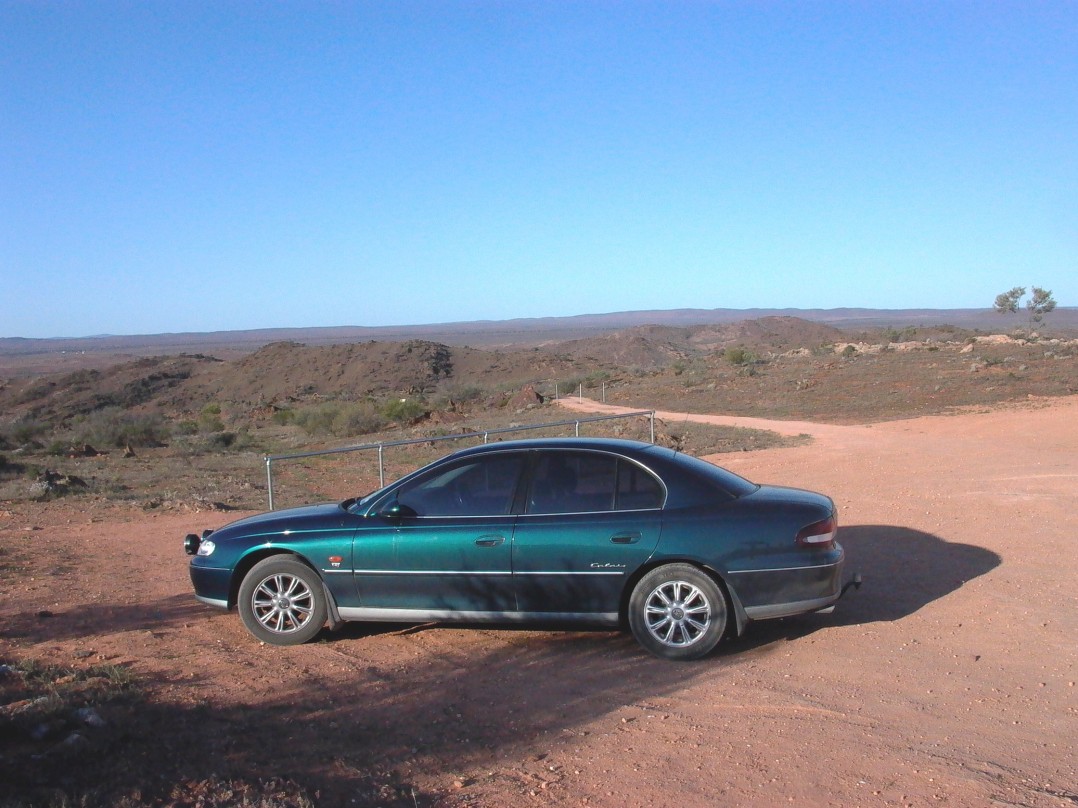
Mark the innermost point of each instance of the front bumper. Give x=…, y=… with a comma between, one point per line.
x=212, y=585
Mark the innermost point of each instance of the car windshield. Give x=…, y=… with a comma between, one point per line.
x=356, y=504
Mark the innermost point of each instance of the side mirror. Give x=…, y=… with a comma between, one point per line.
x=395, y=511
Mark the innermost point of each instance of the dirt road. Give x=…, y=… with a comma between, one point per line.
x=948, y=678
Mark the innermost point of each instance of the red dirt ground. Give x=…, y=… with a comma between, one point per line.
x=949, y=678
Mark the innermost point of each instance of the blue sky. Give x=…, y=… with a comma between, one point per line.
x=198, y=166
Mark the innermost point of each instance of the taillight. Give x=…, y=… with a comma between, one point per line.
x=818, y=533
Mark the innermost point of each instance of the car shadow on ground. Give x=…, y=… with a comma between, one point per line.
x=362, y=736
x=902, y=570
x=89, y=618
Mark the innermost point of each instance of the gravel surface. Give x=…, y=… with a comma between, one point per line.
x=948, y=678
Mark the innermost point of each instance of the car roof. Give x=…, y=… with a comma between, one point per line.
x=618, y=445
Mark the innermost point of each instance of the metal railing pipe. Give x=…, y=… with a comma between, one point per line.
x=381, y=446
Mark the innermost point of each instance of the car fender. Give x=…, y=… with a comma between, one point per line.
x=741, y=619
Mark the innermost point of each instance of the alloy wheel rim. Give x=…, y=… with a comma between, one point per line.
x=283, y=603
x=677, y=614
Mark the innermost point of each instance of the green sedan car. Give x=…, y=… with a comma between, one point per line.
x=575, y=530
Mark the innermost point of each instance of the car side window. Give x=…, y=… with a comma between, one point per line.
x=481, y=486
x=573, y=482
x=638, y=489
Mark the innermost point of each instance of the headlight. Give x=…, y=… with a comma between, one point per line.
x=206, y=548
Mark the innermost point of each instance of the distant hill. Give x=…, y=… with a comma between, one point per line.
x=22, y=356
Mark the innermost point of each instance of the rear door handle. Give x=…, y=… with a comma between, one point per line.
x=625, y=538
x=489, y=541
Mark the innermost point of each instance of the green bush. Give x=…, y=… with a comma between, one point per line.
x=8, y=468
x=209, y=420
x=403, y=409
x=318, y=420
x=342, y=419
x=283, y=417
x=740, y=356
x=463, y=393
x=21, y=432
x=116, y=427
x=357, y=419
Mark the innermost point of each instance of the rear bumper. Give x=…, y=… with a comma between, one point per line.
x=771, y=593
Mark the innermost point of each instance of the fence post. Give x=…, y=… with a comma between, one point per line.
x=580, y=391
x=653, y=426
x=269, y=481
x=382, y=468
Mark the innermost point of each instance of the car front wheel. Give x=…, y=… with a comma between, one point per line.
x=281, y=601
x=677, y=612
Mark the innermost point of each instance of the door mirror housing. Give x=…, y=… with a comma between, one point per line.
x=395, y=511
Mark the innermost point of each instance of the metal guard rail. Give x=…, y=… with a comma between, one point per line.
x=381, y=446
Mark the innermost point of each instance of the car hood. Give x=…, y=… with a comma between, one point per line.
x=290, y=519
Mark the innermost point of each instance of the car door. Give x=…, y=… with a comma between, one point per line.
x=451, y=546
x=591, y=518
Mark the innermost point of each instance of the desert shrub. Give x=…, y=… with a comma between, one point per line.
x=209, y=419
x=679, y=367
x=318, y=420
x=342, y=419
x=187, y=427
x=22, y=431
x=220, y=440
x=403, y=409
x=283, y=417
x=907, y=334
x=596, y=379
x=849, y=351
x=359, y=418
x=740, y=356
x=113, y=426
x=464, y=393
x=8, y=468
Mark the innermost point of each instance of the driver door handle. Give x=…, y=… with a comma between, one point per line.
x=489, y=541
x=625, y=538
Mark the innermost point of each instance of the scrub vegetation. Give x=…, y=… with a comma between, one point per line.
x=194, y=429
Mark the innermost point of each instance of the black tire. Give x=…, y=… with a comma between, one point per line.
x=281, y=601
x=677, y=611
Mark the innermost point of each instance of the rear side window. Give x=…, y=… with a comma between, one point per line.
x=638, y=489
x=589, y=482
x=722, y=480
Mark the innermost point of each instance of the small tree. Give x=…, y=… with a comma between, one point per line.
x=1007, y=302
x=1039, y=304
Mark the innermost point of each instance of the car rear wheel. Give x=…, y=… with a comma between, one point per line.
x=677, y=612
x=281, y=601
